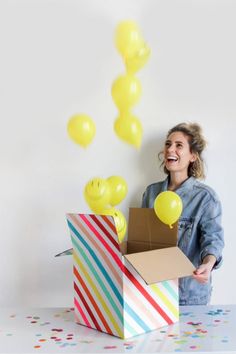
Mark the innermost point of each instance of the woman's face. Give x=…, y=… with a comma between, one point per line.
x=177, y=154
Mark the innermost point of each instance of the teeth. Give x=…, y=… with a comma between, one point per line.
x=172, y=158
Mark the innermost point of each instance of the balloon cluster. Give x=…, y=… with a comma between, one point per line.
x=126, y=89
x=102, y=195
x=168, y=207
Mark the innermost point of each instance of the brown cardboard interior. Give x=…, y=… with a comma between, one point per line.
x=123, y=247
x=133, y=247
x=145, y=228
x=161, y=264
x=151, y=248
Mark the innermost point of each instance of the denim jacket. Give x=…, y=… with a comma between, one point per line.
x=199, y=232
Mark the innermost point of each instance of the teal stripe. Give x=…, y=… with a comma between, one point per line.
x=170, y=290
x=98, y=262
x=135, y=317
x=113, y=304
x=130, y=329
x=91, y=267
x=128, y=309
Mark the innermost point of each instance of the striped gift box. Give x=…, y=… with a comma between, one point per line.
x=109, y=294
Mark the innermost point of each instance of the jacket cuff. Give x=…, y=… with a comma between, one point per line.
x=213, y=252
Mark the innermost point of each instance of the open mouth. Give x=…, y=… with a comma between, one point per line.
x=171, y=159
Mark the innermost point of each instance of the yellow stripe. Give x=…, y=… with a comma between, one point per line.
x=166, y=301
x=106, y=308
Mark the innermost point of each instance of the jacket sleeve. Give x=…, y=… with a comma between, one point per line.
x=211, y=231
x=144, y=200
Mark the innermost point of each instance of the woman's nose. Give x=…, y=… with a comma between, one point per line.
x=170, y=148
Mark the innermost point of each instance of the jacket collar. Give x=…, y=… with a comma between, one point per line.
x=187, y=184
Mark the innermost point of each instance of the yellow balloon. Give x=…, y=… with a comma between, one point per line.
x=120, y=222
x=81, y=129
x=97, y=207
x=138, y=60
x=118, y=188
x=97, y=194
x=128, y=38
x=126, y=92
x=129, y=129
x=168, y=207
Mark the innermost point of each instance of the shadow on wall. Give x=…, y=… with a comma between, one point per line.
x=148, y=166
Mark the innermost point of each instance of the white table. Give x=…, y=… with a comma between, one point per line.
x=205, y=329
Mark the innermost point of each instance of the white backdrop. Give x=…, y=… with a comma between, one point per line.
x=58, y=58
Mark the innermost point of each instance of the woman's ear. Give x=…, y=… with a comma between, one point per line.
x=194, y=157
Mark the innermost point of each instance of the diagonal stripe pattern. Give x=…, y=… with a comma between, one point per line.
x=109, y=295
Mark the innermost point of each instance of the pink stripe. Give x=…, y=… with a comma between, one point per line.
x=105, y=231
x=116, y=275
x=79, y=308
x=105, y=244
x=148, y=296
x=140, y=304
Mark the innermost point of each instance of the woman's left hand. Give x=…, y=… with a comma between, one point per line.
x=203, y=272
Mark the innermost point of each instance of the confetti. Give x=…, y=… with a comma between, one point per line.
x=198, y=330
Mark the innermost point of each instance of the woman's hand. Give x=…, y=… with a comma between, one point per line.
x=202, y=273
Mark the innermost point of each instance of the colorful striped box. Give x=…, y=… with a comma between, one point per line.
x=109, y=293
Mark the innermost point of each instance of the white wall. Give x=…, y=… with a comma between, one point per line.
x=58, y=58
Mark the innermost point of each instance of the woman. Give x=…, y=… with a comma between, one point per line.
x=200, y=234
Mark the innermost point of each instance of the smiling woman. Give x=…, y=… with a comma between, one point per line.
x=200, y=234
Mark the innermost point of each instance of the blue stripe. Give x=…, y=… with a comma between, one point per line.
x=131, y=330
x=170, y=290
x=106, y=292
x=134, y=315
x=127, y=308
x=99, y=264
x=81, y=252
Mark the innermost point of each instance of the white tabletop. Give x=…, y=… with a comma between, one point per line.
x=205, y=329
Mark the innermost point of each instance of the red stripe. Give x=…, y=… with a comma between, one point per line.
x=92, y=301
x=105, y=244
x=79, y=308
x=128, y=273
x=106, y=232
x=109, y=223
x=87, y=307
x=147, y=296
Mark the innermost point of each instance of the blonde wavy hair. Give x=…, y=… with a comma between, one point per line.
x=197, y=144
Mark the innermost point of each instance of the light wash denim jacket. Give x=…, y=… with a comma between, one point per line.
x=199, y=232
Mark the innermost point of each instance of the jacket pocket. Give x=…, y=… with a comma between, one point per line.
x=184, y=234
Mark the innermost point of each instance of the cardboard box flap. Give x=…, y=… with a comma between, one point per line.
x=162, y=264
x=145, y=226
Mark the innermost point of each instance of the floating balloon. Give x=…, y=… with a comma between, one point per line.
x=120, y=222
x=81, y=129
x=168, y=207
x=118, y=188
x=128, y=38
x=97, y=194
x=126, y=92
x=138, y=60
x=129, y=129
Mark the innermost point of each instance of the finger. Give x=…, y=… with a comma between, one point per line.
x=200, y=278
x=199, y=271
